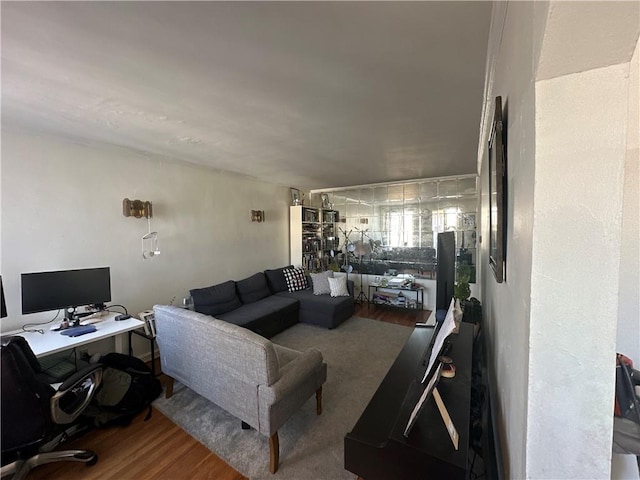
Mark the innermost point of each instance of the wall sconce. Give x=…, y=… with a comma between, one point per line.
x=257, y=215
x=139, y=209
x=136, y=208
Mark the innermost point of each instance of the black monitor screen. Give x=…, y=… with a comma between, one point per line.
x=446, y=273
x=44, y=291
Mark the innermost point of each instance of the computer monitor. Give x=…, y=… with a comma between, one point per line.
x=65, y=289
x=446, y=270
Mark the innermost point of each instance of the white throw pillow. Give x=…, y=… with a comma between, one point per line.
x=338, y=286
x=321, y=282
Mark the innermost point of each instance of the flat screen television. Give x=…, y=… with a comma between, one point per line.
x=65, y=289
x=3, y=305
x=446, y=270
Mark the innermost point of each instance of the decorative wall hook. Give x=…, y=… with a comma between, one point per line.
x=137, y=208
x=151, y=249
x=257, y=215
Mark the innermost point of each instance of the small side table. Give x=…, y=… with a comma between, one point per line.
x=152, y=342
x=419, y=291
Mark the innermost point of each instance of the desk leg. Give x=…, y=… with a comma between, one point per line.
x=153, y=357
x=120, y=341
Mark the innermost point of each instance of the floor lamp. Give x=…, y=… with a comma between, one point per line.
x=347, y=249
x=362, y=249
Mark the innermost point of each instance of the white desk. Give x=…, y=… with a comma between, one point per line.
x=51, y=341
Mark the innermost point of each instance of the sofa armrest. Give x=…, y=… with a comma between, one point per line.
x=302, y=367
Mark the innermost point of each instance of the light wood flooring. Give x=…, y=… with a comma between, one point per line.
x=155, y=449
x=159, y=449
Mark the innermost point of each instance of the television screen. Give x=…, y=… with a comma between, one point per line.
x=45, y=291
x=446, y=270
x=3, y=306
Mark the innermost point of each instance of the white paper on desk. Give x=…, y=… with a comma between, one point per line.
x=445, y=330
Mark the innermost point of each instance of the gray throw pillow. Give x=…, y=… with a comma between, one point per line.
x=321, y=283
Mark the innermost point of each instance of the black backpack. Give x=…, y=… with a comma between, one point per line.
x=128, y=387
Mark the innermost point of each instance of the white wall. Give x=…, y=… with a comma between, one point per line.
x=62, y=209
x=628, y=340
x=552, y=324
x=628, y=334
x=513, y=54
x=577, y=234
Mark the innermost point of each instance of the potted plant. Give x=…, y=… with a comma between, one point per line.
x=461, y=289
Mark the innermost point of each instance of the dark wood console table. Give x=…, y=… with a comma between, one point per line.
x=376, y=447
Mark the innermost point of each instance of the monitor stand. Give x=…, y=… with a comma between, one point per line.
x=73, y=318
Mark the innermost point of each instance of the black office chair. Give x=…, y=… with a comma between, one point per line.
x=35, y=416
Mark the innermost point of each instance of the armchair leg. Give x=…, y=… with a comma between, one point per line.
x=169, y=390
x=274, y=453
x=319, y=401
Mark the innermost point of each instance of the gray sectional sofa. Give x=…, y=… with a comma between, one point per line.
x=263, y=303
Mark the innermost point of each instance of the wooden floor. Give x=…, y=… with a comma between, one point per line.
x=159, y=449
x=399, y=316
x=155, y=449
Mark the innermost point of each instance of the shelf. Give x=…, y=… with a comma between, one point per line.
x=390, y=298
x=311, y=240
x=408, y=289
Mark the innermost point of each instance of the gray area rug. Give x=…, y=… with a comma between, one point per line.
x=358, y=354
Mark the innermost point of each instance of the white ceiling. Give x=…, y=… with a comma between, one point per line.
x=306, y=94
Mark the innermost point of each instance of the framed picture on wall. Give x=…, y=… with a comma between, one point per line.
x=497, y=194
x=468, y=221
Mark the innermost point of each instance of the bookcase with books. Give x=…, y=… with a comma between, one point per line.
x=313, y=237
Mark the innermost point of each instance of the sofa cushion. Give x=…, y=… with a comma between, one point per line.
x=253, y=288
x=266, y=317
x=275, y=279
x=216, y=299
x=320, y=282
x=296, y=279
x=323, y=310
x=338, y=286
